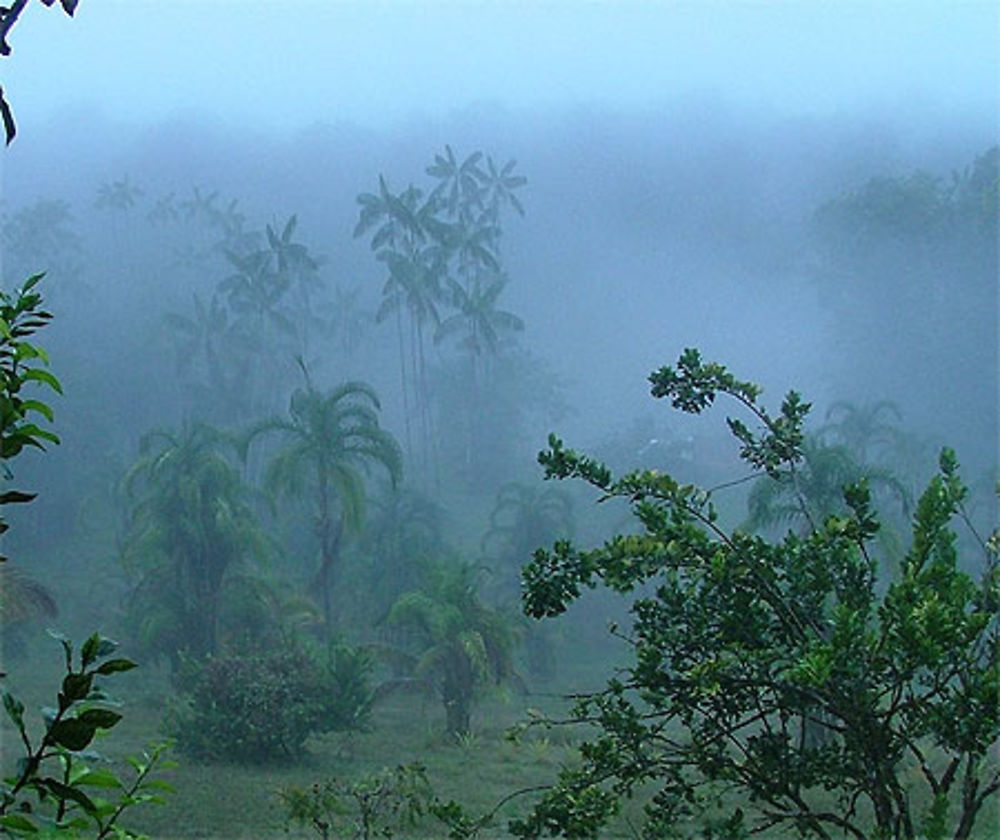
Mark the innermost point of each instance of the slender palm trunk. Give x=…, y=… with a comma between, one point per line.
x=402, y=381
x=430, y=438
x=329, y=533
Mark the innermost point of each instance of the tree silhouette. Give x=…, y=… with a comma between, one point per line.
x=330, y=441
x=441, y=252
x=864, y=429
x=191, y=522
x=524, y=517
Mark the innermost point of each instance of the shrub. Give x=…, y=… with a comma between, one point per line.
x=372, y=806
x=261, y=706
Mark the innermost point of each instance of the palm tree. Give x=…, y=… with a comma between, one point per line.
x=525, y=517
x=299, y=268
x=414, y=283
x=478, y=318
x=191, y=523
x=118, y=196
x=400, y=224
x=863, y=429
x=459, y=188
x=404, y=528
x=480, y=324
x=331, y=440
x=816, y=489
x=499, y=186
x=460, y=644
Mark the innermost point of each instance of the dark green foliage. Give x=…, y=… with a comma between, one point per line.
x=262, y=705
x=458, y=644
x=57, y=784
x=362, y=809
x=191, y=524
x=22, y=363
x=779, y=671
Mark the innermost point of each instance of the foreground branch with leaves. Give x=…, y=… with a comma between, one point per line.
x=777, y=686
x=54, y=789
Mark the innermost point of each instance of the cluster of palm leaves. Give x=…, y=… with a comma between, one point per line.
x=192, y=526
x=196, y=536
x=858, y=442
x=441, y=249
x=457, y=643
x=241, y=342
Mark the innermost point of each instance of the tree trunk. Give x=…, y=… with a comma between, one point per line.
x=457, y=696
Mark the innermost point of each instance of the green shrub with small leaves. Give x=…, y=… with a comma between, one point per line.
x=62, y=787
x=261, y=706
x=372, y=806
x=777, y=686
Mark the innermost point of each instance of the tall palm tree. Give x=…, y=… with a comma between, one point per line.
x=459, y=188
x=331, y=440
x=400, y=223
x=191, y=523
x=478, y=317
x=301, y=268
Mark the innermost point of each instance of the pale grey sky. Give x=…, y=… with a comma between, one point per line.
x=295, y=62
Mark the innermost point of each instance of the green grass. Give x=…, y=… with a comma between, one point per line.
x=238, y=801
x=234, y=801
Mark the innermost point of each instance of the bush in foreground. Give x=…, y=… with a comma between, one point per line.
x=261, y=706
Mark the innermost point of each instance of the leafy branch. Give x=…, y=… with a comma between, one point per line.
x=22, y=362
x=55, y=770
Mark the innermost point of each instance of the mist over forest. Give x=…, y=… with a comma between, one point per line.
x=487, y=252
x=693, y=224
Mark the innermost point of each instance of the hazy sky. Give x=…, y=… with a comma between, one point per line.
x=295, y=62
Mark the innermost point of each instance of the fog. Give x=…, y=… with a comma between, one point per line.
x=804, y=191
x=378, y=63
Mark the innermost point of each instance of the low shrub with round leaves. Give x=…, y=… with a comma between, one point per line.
x=262, y=706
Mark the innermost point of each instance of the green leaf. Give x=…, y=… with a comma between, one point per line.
x=64, y=792
x=18, y=822
x=14, y=709
x=73, y=734
x=42, y=376
x=100, y=779
x=113, y=666
x=75, y=687
x=159, y=784
x=101, y=718
x=88, y=653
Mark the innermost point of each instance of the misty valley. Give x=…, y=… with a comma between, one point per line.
x=586, y=472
